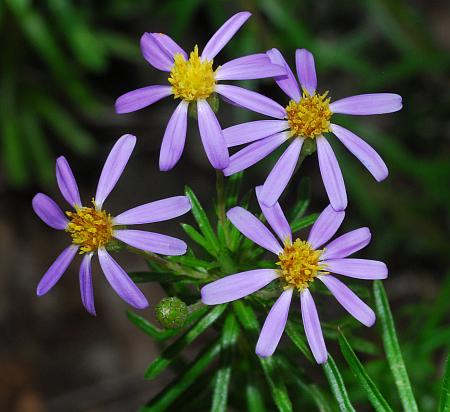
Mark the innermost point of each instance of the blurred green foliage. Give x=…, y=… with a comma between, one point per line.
x=53, y=54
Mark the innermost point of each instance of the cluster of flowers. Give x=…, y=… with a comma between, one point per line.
x=193, y=80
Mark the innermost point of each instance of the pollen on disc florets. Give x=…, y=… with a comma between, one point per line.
x=90, y=228
x=192, y=79
x=299, y=264
x=310, y=117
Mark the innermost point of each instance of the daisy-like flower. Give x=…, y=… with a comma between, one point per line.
x=307, y=115
x=92, y=228
x=193, y=79
x=300, y=264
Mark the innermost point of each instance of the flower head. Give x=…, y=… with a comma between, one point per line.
x=193, y=79
x=307, y=115
x=300, y=263
x=92, y=228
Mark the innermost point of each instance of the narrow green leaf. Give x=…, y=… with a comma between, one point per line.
x=373, y=394
x=277, y=387
x=160, y=277
x=298, y=340
x=304, y=222
x=337, y=385
x=392, y=348
x=193, y=262
x=183, y=382
x=444, y=402
x=303, y=199
x=163, y=334
x=195, y=236
x=230, y=333
x=247, y=318
x=233, y=185
x=254, y=398
x=203, y=222
x=169, y=354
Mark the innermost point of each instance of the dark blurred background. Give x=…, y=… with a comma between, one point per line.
x=63, y=64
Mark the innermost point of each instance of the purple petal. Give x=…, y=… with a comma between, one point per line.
x=281, y=173
x=306, y=70
x=276, y=218
x=49, y=211
x=347, y=244
x=157, y=211
x=252, y=228
x=174, y=138
x=86, y=288
x=236, y=286
x=252, y=131
x=66, y=182
x=358, y=268
x=120, y=281
x=212, y=136
x=254, y=152
x=325, y=227
x=152, y=242
x=348, y=299
x=157, y=56
x=169, y=45
x=331, y=174
x=312, y=327
x=274, y=325
x=252, y=100
x=140, y=98
x=364, y=152
x=224, y=35
x=287, y=83
x=373, y=103
x=113, y=168
x=255, y=66
x=56, y=270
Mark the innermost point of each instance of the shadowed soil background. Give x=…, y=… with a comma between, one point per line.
x=63, y=64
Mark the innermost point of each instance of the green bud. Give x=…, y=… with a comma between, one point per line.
x=213, y=101
x=171, y=313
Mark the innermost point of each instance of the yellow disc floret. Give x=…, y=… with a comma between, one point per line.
x=310, y=117
x=192, y=79
x=299, y=264
x=89, y=228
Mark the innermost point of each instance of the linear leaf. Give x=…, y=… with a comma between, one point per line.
x=444, y=402
x=162, y=334
x=337, y=385
x=392, y=348
x=203, y=222
x=277, y=387
x=304, y=222
x=169, y=354
x=230, y=333
x=174, y=390
x=302, y=203
x=298, y=340
x=195, y=236
x=373, y=394
x=254, y=398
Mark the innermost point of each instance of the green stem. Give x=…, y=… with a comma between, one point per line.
x=221, y=204
x=167, y=264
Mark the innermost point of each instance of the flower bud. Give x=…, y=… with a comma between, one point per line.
x=171, y=312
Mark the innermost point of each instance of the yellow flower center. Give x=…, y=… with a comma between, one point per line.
x=89, y=228
x=299, y=264
x=192, y=79
x=310, y=117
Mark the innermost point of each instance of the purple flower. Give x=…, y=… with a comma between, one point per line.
x=92, y=228
x=300, y=264
x=307, y=116
x=193, y=79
